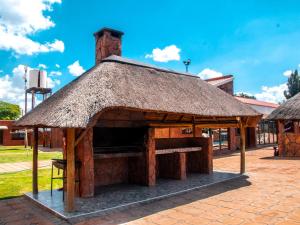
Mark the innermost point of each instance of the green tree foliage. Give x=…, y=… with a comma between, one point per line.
x=293, y=85
x=244, y=95
x=9, y=111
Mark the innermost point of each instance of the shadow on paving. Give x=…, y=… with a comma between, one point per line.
x=280, y=158
x=143, y=210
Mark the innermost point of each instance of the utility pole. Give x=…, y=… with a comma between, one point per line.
x=187, y=63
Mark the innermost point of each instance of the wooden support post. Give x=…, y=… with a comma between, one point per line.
x=150, y=159
x=69, y=203
x=280, y=137
x=35, y=161
x=243, y=148
x=231, y=139
x=85, y=154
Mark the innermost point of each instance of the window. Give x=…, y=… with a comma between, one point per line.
x=187, y=130
x=17, y=135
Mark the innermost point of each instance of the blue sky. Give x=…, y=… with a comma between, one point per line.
x=256, y=41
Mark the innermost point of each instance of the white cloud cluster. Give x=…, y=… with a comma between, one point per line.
x=272, y=94
x=21, y=19
x=208, y=73
x=76, y=69
x=52, y=83
x=12, y=87
x=169, y=53
x=55, y=73
x=287, y=73
x=42, y=66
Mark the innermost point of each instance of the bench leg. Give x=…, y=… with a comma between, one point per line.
x=51, y=179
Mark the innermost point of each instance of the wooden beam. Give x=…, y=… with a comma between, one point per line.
x=69, y=203
x=218, y=125
x=164, y=118
x=194, y=127
x=170, y=125
x=280, y=136
x=81, y=135
x=151, y=159
x=242, y=148
x=180, y=118
x=35, y=161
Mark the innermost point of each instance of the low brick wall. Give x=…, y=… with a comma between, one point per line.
x=291, y=144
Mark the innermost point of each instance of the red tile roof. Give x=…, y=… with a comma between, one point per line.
x=218, y=81
x=256, y=102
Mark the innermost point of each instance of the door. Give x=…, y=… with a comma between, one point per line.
x=1, y=137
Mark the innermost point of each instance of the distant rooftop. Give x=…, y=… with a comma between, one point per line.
x=251, y=101
x=218, y=81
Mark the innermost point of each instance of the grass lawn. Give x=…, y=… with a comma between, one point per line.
x=15, y=184
x=20, y=154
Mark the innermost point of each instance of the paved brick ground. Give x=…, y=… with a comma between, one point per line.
x=270, y=195
x=21, y=166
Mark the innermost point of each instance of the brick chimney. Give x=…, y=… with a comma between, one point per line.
x=108, y=42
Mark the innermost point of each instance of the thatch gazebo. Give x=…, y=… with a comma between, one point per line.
x=109, y=115
x=287, y=116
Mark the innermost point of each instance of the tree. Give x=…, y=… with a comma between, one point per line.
x=9, y=111
x=244, y=95
x=293, y=85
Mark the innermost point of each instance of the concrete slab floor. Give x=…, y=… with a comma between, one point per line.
x=115, y=197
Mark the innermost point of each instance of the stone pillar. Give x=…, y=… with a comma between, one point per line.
x=201, y=162
x=251, y=137
x=231, y=139
x=150, y=159
x=280, y=137
x=85, y=155
x=172, y=165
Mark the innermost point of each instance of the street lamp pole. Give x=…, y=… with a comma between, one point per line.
x=187, y=63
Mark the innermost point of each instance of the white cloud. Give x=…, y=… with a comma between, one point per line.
x=51, y=83
x=272, y=94
x=20, y=20
x=209, y=73
x=12, y=87
x=287, y=73
x=55, y=73
x=43, y=66
x=76, y=69
x=169, y=53
x=57, y=65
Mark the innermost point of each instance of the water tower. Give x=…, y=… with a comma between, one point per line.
x=37, y=86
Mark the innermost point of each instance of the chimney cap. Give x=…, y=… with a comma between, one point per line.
x=114, y=32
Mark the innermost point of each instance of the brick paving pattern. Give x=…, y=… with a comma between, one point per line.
x=271, y=195
x=21, y=166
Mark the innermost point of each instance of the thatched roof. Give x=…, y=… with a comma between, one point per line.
x=290, y=110
x=119, y=82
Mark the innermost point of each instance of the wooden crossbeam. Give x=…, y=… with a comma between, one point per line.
x=81, y=135
x=180, y=118
x=164, y=118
